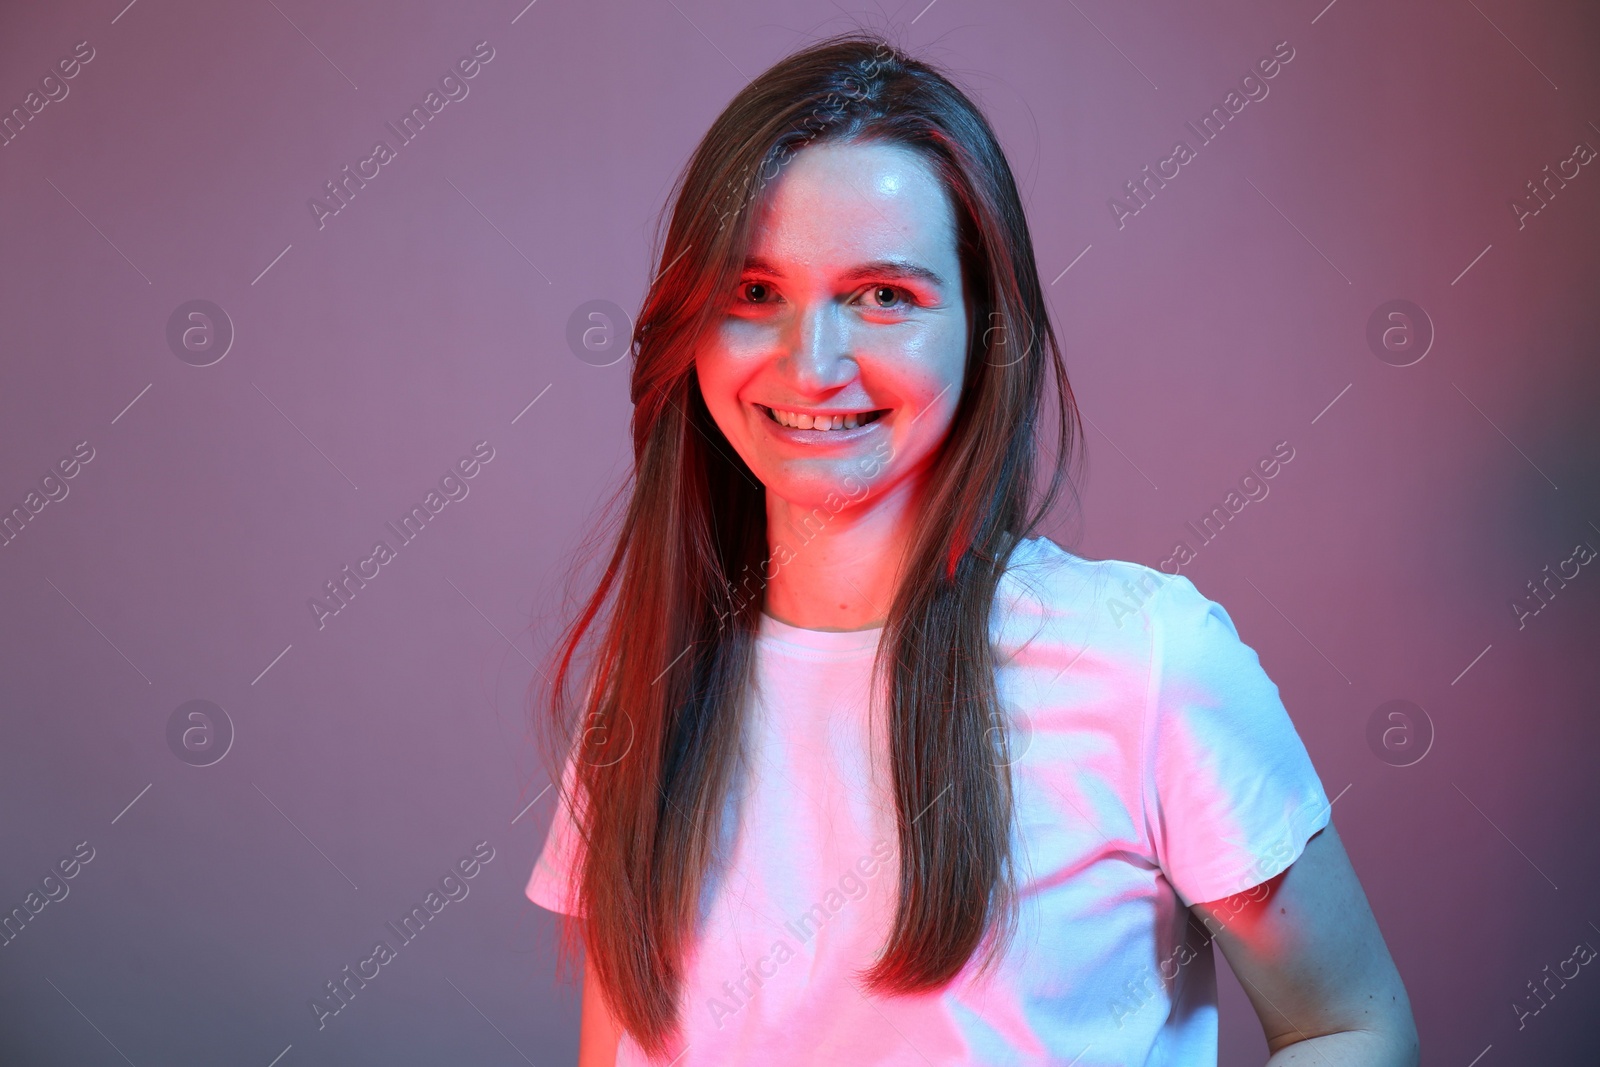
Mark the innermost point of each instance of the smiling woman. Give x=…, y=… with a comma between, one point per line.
x=846, y=333
x=826, y=627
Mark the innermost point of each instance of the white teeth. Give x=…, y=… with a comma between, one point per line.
x=819, y=422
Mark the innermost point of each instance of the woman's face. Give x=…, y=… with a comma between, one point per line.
x=849, y=313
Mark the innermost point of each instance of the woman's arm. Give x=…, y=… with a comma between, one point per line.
x=1308, y=951
x=598, y=1032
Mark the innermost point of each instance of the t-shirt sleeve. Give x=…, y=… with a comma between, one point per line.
x=550, y=884
x=1231, y=796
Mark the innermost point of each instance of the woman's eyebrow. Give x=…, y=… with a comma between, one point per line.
x=878, y=268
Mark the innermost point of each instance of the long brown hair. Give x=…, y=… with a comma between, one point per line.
x=673, y=617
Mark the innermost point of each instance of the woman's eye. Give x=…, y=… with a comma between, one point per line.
x=761, y=290
x=886, y=297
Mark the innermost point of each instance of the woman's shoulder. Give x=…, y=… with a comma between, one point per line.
x=1061, y=582
x=1111, y=604
x=1047, y=588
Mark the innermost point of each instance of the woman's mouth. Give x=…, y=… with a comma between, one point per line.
x=826, y=422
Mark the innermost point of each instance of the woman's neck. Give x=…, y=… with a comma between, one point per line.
x=837, y=570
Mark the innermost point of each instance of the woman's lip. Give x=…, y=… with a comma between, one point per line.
x=793, y=433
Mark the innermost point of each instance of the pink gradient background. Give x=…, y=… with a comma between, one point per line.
x=428, y=313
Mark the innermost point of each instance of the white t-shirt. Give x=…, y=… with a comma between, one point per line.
x=1158, y=768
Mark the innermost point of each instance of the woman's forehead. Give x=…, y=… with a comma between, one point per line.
x=835, y=206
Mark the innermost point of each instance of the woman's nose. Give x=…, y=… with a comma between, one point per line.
x=819, y=348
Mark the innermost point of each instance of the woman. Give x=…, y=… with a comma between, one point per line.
x=868, y=772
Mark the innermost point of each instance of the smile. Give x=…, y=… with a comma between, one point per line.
x=827, y=421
